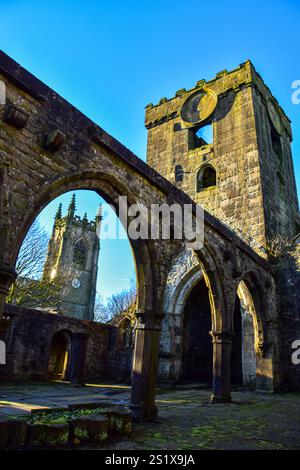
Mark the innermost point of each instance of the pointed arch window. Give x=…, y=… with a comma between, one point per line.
x=206, y=177
x=79, y=255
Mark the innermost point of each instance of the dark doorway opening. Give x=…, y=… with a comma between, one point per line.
x=197, y=361
x=59, y=356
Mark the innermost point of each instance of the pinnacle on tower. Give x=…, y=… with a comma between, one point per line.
x=85, y=219
x=98, y=217
x=72, y=207
x=58, y=214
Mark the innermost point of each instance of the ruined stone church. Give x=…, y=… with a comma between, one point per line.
x=226, y=315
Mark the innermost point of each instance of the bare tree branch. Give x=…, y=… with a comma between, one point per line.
x=30, y=289
x=115, y=305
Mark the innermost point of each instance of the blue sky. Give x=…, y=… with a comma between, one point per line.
x=110, y=59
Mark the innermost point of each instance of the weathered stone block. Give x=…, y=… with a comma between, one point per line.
x=15, y=116
x=12, y=433
x=54, y=140
x=47, y=435
x=120, y=420
x=93, y=428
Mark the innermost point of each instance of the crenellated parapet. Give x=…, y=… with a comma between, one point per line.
x=223, y=83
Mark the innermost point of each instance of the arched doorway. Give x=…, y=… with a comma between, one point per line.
x=197, y=353
x=245, y=339
x=59, y=356
x=190, y=314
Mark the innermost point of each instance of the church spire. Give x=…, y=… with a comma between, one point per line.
x=98, y=217
x=72, y=207
x=58, y=212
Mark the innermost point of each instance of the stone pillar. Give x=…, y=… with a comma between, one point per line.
x=266, y=380
x=221, y=366
x=7, y=277
x=77, y=361
x=145, y=365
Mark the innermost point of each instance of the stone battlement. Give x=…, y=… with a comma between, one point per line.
x=225, y=81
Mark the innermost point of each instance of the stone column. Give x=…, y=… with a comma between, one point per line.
x=7, y=277
x=77, y=361
x=221, y=366
x=145, y=365
x=267, y=380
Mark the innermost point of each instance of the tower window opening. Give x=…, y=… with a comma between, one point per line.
x=79, y=256
x=201, y=136
x=178, y=173
x=206, y=178
x=276, y=143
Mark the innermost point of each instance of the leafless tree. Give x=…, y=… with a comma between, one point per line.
x=115, y=305
x=33, y=252
x=120, y=302
x=101, y=313
x=30, y=289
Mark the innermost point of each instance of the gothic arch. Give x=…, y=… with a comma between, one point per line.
x=251, y=294
x=183, y=276
x=187, y=270
x=110, y=188
x=212, y=272
x=258, y=303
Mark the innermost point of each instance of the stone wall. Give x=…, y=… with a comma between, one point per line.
x=287, y=269
x=28, y=340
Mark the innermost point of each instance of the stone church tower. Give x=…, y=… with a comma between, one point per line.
x=227, y=143
x=73, y=254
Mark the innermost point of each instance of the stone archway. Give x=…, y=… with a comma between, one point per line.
x=249, y=335
x=59, y=356
x=191, y=280
x=110, y=188
x=144, y=253
x=186, y=272
x=182, y=278
x=257, y=359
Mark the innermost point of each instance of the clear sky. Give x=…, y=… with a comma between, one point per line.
x=111, y=58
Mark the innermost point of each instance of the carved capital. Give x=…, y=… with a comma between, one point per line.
x=221, y=336
x=263, y=347
x=148, y=320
